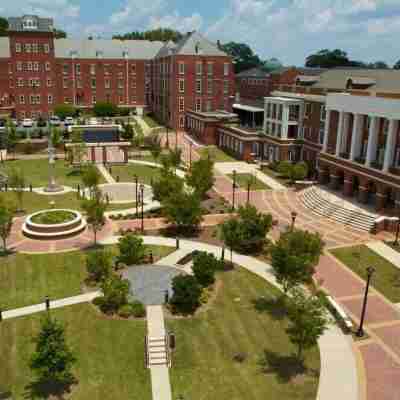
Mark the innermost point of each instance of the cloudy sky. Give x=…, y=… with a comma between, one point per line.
x=287, y=29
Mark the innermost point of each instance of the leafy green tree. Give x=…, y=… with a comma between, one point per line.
x=16, y=181
x=11, y=137
x=115, y=293
x=294, y=172
x=243, y=55
x=99, y=265
x=328, y=59
x=79, y=149
x=131, y=249
x=174, y=157
x=186, y=294
x=6, y=222
x=294, y=257
x=201, y=176
x=64, y=110
x=127, y=132
x=183, y=210
x=59, y=34
x=205, y=265
x=95, y=209
x=308, y=320
x=105, y=109
x=52, y=360
x=247, y=232
x=3, y=26
x=159, y=34
x=91, y=179
x=155, y=146
x=166, y=184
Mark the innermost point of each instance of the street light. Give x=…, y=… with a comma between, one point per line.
x=233, y=188
x=142, y=198
x=137, y=194
x=294, y=216
x=370, y=272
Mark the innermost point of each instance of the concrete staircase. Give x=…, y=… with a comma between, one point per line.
x=157, y=351
x=314, y=199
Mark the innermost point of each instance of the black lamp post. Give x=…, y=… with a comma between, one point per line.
x=396, y=242
x=142, y=198
x=233, y=189
x=137, y=194
x=190, y=154
x=294, y=216
x=248, y=191
x=370, y=272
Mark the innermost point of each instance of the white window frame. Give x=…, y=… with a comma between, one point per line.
x=21, y=99
x=18, y=47
x=199, y=68
x=198, y=105
x=181, y=86
x=226, y=69
x=47, y=66
x=181, y=66
x=199, y=86
x=181, y=104
x=46, y=48
x=49, y=99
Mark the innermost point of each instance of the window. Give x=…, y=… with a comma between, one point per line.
x=199, y=68
x=181, y=121
x=92, y=69
x=210, y=68
x=19, y=66
x=198, y=85
x=198, y=105
x=307, y=110
x=226, y=69
x=226, y=87
x=36, y=66
x=209, y=105
x=181, y=68
x=47, y=66
x=181, y=85
x=21, y=99
x=181, y=104
x=120, y=83
x=65, y=83
x=107, y=84
x=94, y=99
x=79, y=83
x=34, y=47
x=29, y=66
x=20, y=82
x=46, y=48
x=77, y=69
x=133, y=68
x=107, y=69
x=93, y=83
x=210, y=86
x=133, y=83
x=50, y=99
x=28, y=47
x=121, y=98
x=65, y=69
x=18, y=47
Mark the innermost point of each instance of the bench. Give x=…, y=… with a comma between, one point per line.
x=347, y=322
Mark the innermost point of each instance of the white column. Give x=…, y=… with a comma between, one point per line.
x=326, y=134
x=372, y=141
x=339, y=133
x=285, y=121
x=356, y=139
x=390, y=145
x=345, y=135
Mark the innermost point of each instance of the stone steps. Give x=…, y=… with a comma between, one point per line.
x=314, y=201
x=157, y=351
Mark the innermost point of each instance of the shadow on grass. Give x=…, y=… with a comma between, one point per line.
x=7, y=253
x=275, y=307
x=75, y=172
x=42, y=389
x=285, y=367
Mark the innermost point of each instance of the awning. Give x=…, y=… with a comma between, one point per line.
x=247, y=108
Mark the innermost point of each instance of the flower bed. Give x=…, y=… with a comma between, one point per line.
x=53, y=217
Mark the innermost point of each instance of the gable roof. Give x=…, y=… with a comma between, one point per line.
x=253, y=73
x=15, y=24
x=106, y=48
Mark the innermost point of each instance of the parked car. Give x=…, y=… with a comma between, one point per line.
x=69, y=121
x=27, y=123
x=54, y=120
x=93, y=121
x=107, y=120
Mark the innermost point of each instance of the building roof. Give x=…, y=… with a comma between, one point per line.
x=106, y=48
x=253, y=73
x=191, y=44
x=30, y=23
x=379, y=80
x=4, y=47
x=301, y=70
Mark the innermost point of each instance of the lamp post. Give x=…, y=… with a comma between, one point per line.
x=176, y=139
x=137, y=194
x=370, y=272
x=167, y=139
x=396, y=242
x=294, y=216
x=142, y=198
x=190, y=154
x=248, y=191
x=233, y=188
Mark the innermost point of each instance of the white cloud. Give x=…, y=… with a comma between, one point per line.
x=177, y=22
x=136, y=10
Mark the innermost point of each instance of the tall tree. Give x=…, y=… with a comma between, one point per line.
x=95, y=209
x=201, y=176
x=16, y=181
x=91, y=179
x=3, y=26
x=52, y=360
x=243, y=56
x=11, y=137
x=160, y=34
x=328, y=59
x=59, y=34
x=308, y=321
x=6, y=221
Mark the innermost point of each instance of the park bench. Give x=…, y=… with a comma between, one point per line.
x=345, y=319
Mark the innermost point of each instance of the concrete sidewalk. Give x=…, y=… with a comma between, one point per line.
x=386, y=252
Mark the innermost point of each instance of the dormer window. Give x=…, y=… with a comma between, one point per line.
x=99, y=54
x=29, y=23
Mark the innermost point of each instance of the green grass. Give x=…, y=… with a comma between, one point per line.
x=26, y=279
x=152, y=123
x=53, y=217
x=126, y=173
x=243, y=179
x=37, y=172
x=386, y=278
x=275, y=175
x=216, y=154
x=109, y=352
x=203, y=366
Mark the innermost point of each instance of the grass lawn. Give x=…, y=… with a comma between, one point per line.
x=34, y=202
x=203, y=365
x=275, y=175
x=387, y=276
x=109, y=352
x=216, y=154
x=37, y=172
x=126, y=172
x=152, y=123
x=26, y=279
x=243, y=179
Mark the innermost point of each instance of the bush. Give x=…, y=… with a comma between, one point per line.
x=104, y=109
x=64, y=110
x=99, y=302
x=99, y=265
x=138, y=309
x=187, y=293
x=116, y=291
x=131, y=249
x=204, y=267
x=125, y=311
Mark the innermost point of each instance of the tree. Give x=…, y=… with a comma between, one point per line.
x=247, y=232
x=6, y=221
x=64, y=110
x=131, y=249
x=308, y=321
x=55, y=137
x=328, y=59
x=174, y=157
x=155, y=146
x=205, y=265
x=52, y=360
x=166, y=184
x=293, y=172
x=183, y=210
x=59, y=34
x=127, y=132
x=91, y=179
x=201, y=176
x=160, y=34
x=397, y=65
x=105, y=109
x=16, y=181
x=95, y=209
x=78, y=149
x=243, y=55
x=99, y=265
x=3, y=26
x=115, y=293
x=187, y=292
x=11, y=136
x=294, y=257
x=378, y=65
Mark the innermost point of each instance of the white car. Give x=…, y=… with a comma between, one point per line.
x=93, y=121
x=27, y=123
x=69, y=121
x=54, y=120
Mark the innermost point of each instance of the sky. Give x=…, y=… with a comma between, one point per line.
x=286, y=29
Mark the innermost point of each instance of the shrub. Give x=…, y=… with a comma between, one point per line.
x=64, y=110
x=105, y=109
x=116, y=291
x=131, y=249
x=187, y=292
x=138, y=309
x=125, y=311
x=204, y=267
x=99, y=265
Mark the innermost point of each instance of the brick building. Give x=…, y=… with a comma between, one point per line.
x=37, y=72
